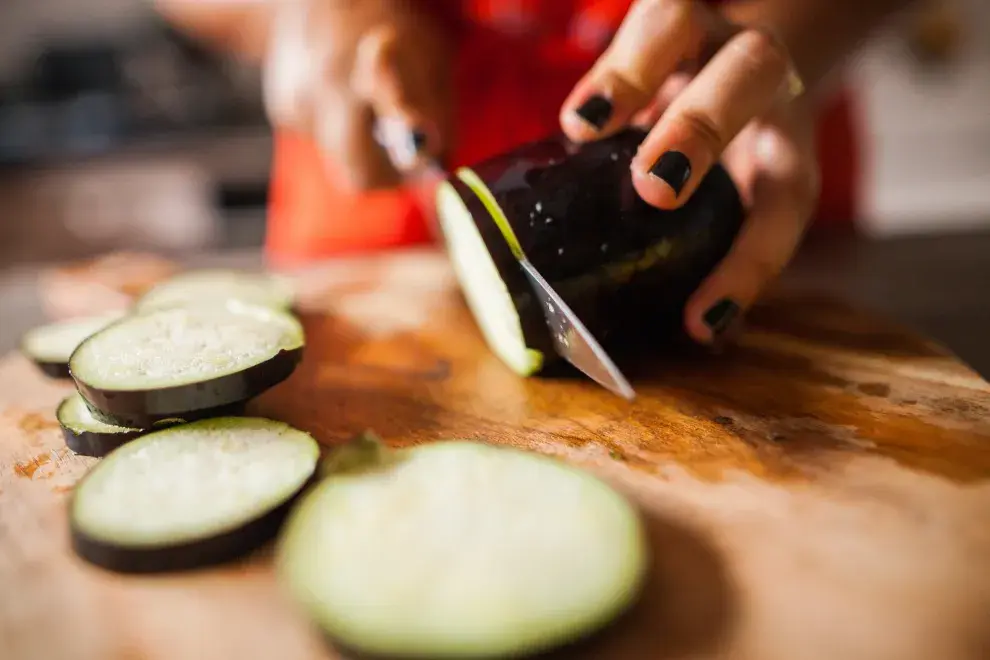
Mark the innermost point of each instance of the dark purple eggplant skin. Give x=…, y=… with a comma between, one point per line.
x=204, y=553
x=97, y=445
x=146, y=408
x=59, y=370
x=235, y=409
x=624, y=267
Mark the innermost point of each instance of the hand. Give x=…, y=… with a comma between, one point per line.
x=337, y=69
x=710, y=90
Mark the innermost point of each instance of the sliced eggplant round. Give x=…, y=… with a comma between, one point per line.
x=218, y=284
x=485, y=290
x=460, y=549
x=50, y=346
x=86, y=435
x=190, y=496
x=188, y=362
x=625, y=268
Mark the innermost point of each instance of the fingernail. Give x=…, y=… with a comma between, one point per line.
x=721, y=315
x=674, y=169
x=596, y=111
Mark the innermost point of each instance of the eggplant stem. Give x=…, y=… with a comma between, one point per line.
x=364, y=451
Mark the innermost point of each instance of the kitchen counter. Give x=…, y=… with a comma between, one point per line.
x=937, y=285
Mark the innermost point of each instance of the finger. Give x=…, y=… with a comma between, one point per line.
x=742, y=81
x=289, y=71
x=403, y=93
x=784, y=192
x=669, y=90
x=653, y=38
x=344, y=129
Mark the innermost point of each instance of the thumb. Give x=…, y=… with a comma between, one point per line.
x=395, y=81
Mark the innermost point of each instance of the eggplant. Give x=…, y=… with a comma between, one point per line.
x=219, y=284
x=86, y=435
x=460, y=549
x=626, y=268
x=185, y=363
x=50, y=346
x=190, y=496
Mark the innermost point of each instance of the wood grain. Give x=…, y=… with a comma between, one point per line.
x=822, y=490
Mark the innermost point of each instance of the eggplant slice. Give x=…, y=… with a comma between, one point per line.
x=188, y=362
x=86, y=435
x=460, y=549
x=485, y=291
x=50, y=346
x=218, y=284
x=190, y=496
x=624, y=267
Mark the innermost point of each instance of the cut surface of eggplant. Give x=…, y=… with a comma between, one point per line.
x=192, y=495
x=86, y=435
x=185, y=362
x=218, y=284
x=485, y=291
x=624, y=267
x=50, y=346
x=460, y=549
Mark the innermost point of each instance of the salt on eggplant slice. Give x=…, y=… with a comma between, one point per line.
x=187, y=362
x=50, y=346
x=624, y=267
x=86, y=435
x=460, y=549
x=264, y=289
x=191, y=496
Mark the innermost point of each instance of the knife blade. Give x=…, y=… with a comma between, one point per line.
x=571, y=339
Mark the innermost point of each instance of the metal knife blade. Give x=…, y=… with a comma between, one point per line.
x=573, y=341
x=571, y=338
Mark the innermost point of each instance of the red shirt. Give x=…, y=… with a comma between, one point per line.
x=516, y=62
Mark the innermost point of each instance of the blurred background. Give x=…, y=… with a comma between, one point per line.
x=119, y=133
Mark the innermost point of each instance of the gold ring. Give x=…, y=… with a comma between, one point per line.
x=793, y=85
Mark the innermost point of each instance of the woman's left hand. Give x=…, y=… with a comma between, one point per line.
x=742, y=106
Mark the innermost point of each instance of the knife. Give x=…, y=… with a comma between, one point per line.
x=571, y=339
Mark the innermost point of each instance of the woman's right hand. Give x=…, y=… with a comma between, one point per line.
x=339, y=70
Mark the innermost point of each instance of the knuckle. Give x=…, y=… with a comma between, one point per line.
x=668, y=13
x=678, y=13
x=765, y=268
x=763, y=48
x=704, y=128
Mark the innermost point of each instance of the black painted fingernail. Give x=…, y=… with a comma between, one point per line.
x=597, y=110
x=418, y=140
x=720, y=316
x=674, y=169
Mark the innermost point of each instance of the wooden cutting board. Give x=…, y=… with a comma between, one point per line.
x=821, y=491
